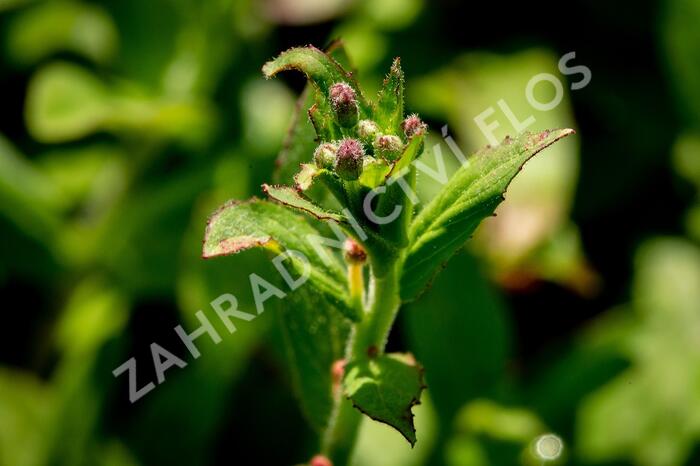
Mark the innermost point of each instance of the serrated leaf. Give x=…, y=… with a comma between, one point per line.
x=290, y=197
x=385, y=388
x=470, y=196
x=321, y=70
x=238, y=226
x=389, y=112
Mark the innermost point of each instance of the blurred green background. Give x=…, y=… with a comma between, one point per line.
x=576, y=311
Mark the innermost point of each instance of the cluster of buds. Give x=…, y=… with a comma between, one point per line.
x=347, y=157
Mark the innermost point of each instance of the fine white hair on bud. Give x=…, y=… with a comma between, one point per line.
x=348, y=160
x=413, y=126
x=344, y=103
x=388, y=146
x=367, y=130
x=324, y=155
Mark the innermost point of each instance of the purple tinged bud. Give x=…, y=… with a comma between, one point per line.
x=388, y=146
x=324, y=155
x=413, y=126
x=348, y=161
x=344, y=103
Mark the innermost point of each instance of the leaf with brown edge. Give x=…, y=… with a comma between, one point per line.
x=471, y=195
x=290, y=197
x=238, y=226
x=386, y=388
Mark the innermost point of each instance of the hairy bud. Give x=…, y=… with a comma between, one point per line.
x=324, y=155
x=348, y=160
x=367, y=131
x=413, y=126
x=354, y=253
x=344, y=103
x=319, y=460
x=388, y=146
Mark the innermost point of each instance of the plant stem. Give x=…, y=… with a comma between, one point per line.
x=356, y=283
x=368, y=340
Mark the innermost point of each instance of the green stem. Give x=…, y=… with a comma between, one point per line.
x=368, y=339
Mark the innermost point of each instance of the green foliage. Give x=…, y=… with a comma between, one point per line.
x=638, y=415
x=377, y=151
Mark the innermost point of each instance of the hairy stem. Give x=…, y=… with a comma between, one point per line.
x=368, y=340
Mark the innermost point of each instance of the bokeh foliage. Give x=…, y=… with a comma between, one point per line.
x=576, y=310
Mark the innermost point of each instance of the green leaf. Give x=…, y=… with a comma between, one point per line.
x=53, y=27
x=65, y=102
x=299, y=144
x=469, y=197
x=374, y=173
x=312, y=121
x=290, y=197
x=321, y=70
x=385, y=388
x=238, y=226
x=315, y=337
x=412, y=150
x=389, y=113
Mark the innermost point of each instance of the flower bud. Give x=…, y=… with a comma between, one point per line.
x=367, y=131
x=388, y=146
x=324, y=155
x=354, y=253
x=319, y=460
x=344, y=103
x=413, y=126
x=348, y=160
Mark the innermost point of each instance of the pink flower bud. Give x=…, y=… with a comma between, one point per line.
x=344, y=103
x=413, y=126
x=319, y=460
x=354, y=253
x=348, y=160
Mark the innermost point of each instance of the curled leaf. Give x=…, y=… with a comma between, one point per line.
x=292, y=198
x=322, y=70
